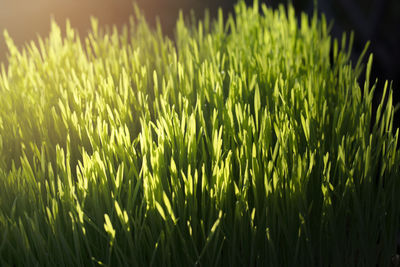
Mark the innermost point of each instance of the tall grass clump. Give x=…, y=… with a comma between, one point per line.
x=245, y=142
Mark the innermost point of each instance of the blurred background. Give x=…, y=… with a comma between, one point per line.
x=374, y=20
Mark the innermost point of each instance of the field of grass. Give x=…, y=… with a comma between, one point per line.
x=246, y=142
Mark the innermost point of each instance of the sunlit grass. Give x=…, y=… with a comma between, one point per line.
x=240, y=143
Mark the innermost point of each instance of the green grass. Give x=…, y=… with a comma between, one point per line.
x=239, y=143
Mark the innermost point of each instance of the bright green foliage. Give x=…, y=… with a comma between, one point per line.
x=242, y=143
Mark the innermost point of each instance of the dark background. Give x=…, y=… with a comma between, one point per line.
x=374, y=20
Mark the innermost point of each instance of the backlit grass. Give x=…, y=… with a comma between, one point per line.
x=239, y=143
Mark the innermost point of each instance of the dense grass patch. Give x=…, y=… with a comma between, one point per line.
x=240, y=143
